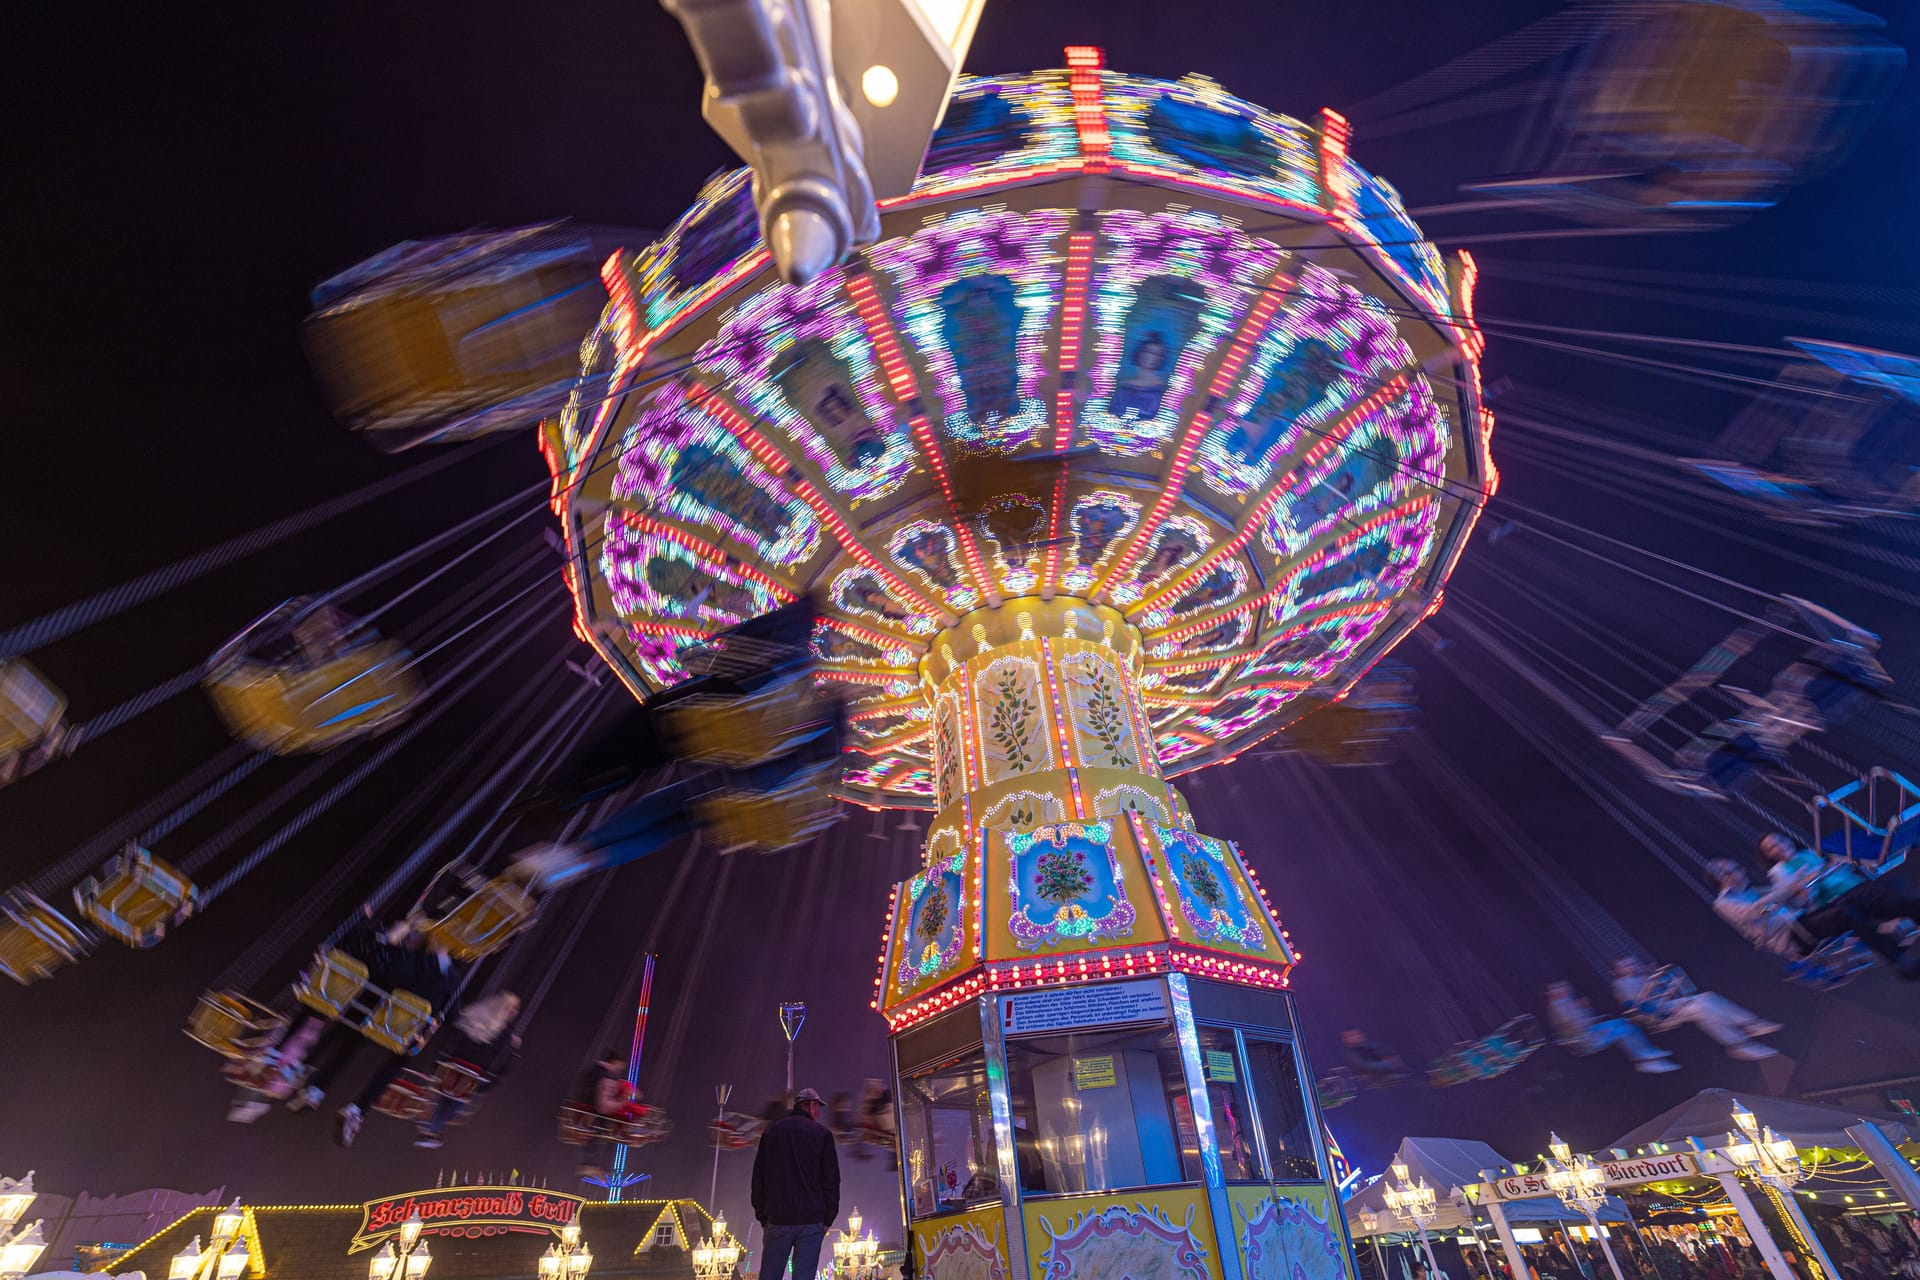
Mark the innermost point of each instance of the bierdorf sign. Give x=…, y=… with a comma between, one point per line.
x=467, y=1211
x=1620, y=1173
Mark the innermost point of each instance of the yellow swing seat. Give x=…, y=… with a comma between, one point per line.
x=136, y=898
x=35, y=940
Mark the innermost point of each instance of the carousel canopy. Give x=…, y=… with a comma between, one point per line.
x=1128, y=342
x=1708, y=1116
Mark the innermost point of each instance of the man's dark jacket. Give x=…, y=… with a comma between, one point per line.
x=796, y=1174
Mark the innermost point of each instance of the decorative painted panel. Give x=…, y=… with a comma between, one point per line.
x=1288, y=1235
x=1097, y=693
x=933, y=927
x=1067, y=886
x=1011, y=718
x=969, y=1246
x=1155, y=1235
x=1214, y=905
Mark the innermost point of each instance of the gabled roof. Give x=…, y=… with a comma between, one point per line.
x=1708, y=1115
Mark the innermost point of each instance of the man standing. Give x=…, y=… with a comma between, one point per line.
x=796, y=1189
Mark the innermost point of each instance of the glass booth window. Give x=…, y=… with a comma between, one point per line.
x=1227, y=1099
x=1274, y=1074
x=946, y=1137
x=1095, y=1111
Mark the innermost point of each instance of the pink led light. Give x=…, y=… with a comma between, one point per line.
x=1335, y=133
x=1073, y=315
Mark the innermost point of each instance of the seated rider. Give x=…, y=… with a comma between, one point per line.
x=1770, y=926
x=1665, y=998
x=1836, y=896
x=1575, y=1026
x=1376, y=1064
x=483, y=1039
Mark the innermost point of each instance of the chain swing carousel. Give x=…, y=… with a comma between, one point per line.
x=1147, y=426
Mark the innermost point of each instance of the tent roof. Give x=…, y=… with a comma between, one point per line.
x=1708, y=1115
x=1448, y=1165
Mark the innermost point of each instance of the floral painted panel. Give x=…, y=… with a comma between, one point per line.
x=1097, y=707
x=1067, y=886
x=1206, y=879
x=1010, y=719
x=934, y=931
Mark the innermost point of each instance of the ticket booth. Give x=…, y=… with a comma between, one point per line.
x=1096, y=1065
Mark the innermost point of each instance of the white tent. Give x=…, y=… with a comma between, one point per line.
x=1450, y=1166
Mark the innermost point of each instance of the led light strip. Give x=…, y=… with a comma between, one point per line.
x=880, y=332
x=1073, y=316
x=709, y=399
x=1256, y=517
x=1228, y=372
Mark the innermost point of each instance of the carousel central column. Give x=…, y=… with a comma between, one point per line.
x=1037, y=719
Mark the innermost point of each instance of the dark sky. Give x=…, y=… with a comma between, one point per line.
x=179, y=178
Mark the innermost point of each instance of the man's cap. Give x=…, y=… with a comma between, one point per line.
x=808, y=1095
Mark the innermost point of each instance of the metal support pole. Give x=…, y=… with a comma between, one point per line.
x=1889, y=1162
x=1756, y=1227
x=1783, y=1201
x=721, y=1093
x=619, y=1173
x=1426, y=1247
x=1516, y=1261
x=1593, y=1220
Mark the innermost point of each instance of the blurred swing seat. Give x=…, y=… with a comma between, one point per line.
x=1702, y=111
x=484, y=921
x=337, y=986
x=305, y=678
x=415, y=1094
x=460, y=336
x=1878, y=820
x=33, y=723
x=734, y=1131
x=1659, y=1006
x=580, y=1125
x=738, y=733
x=136, y=898
x=1833, y=963
x=35, y=940
x=769, y=821
x=233, y=1025
x=1362, y=728
x=1835, y=440
x=332, y=983
x=410, y=1096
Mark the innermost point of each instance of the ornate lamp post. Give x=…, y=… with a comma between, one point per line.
x=716, y=1258
x=793, y=1016
x=570, y=1259
x=1758, y=1153
x=855, y=1257
x=18, y=1255
x=225, y=1259
x=1582, y=1186
x=409, y=1262
x=1415, y=1205
x=15, y=1195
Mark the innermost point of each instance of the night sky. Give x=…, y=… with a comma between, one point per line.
x=180, y=177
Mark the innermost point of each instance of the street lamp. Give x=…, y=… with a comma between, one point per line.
x=1415, y=1205
x=410, y=1261
x=793, y=1016
x=225, y=1258
x=568, y=1260
x=19, y=1254
x=1582, y=1186
x=1758, y=1153
x=854, y=1257
x=15, y=1195
x=716, y=1258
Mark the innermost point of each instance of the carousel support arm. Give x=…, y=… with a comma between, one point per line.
x=1877, y=1147
x=1756, y=1225
x=1516, y=1261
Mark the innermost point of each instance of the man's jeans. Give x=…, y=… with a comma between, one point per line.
x=803, y=1243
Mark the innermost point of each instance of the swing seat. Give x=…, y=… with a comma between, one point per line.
x=484, y=922
x=331, y=984
x=740, y=732
x=1879, y=820
x=311, y=709
x=457, y=1078
x=736, y=1132
x=638, y=1132
x=455, y=337
x=767, y=822
x=1337, y=1088
x=579, y=1125
x=400, y=1022
x=137, y=898
x=33, y=723
x=35, y=940
x=410, y=1096
x=234, y=1026
x=1834, y=963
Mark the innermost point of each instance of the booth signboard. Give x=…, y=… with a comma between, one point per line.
x=1620, y=1173
x=466, y=1211
x=1066, y=1008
